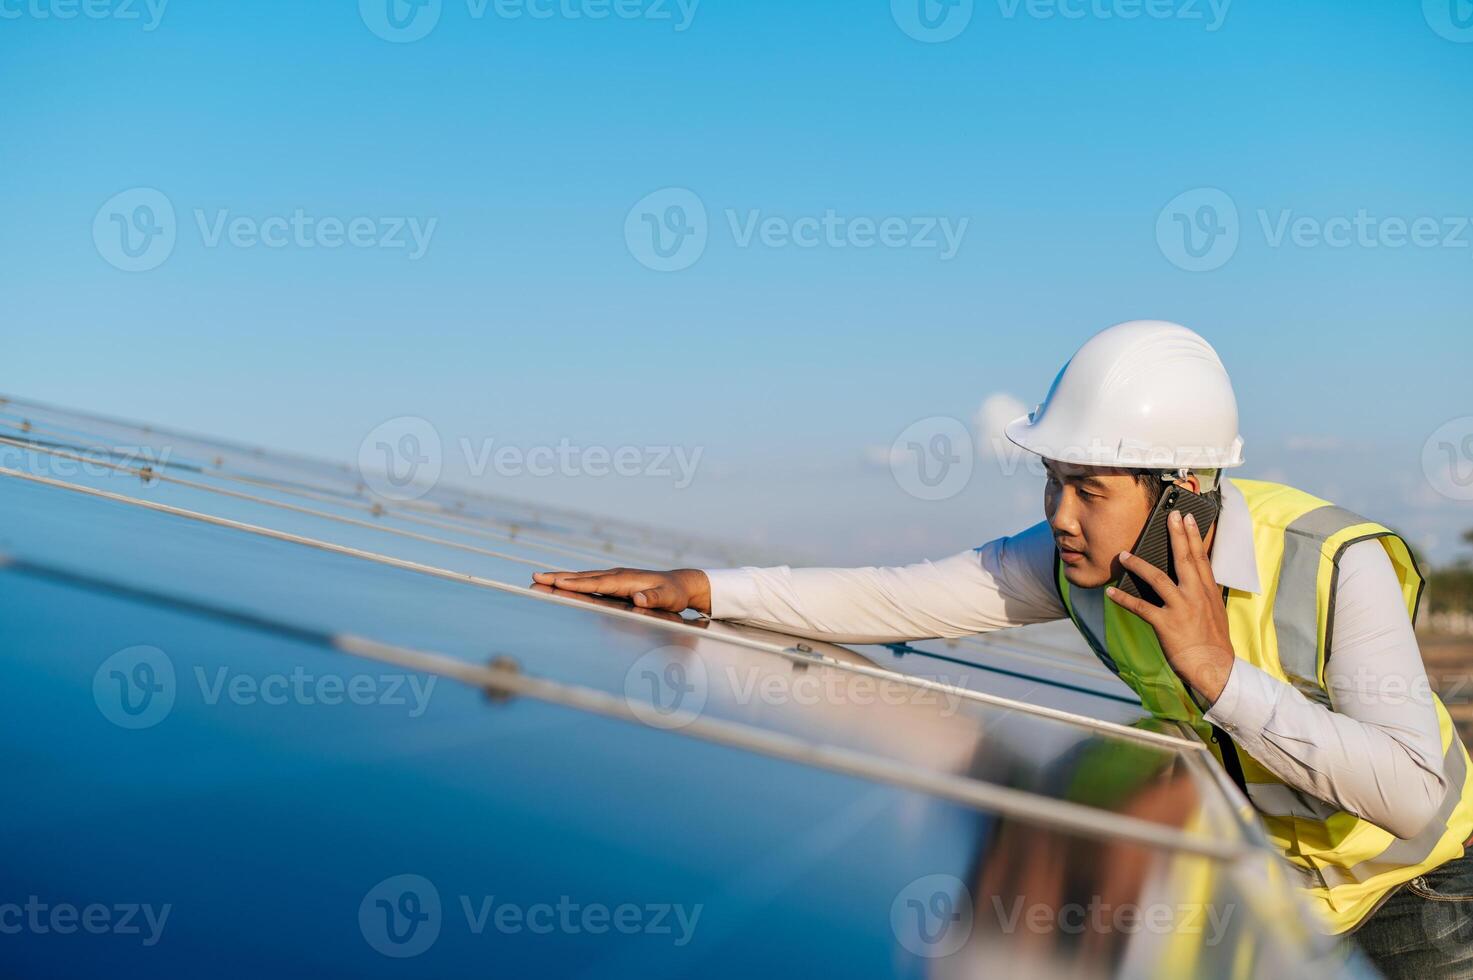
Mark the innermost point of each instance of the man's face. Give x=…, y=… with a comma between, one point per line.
x=1096, y=512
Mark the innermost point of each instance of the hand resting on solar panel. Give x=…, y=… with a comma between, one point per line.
x=672, y=591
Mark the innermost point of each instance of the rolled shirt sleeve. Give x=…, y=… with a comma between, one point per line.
x=1006, y=582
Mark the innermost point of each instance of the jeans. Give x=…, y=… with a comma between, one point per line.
x=1425, y=929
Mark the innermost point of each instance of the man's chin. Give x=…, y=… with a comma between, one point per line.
x=1086, y=577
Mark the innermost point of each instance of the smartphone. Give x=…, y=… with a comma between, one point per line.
x=1154, y=544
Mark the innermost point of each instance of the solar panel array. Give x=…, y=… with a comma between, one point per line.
x=335, y=733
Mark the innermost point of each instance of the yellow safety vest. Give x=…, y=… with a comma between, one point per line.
x=1348, y=863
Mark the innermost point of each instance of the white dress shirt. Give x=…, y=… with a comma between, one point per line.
x=1376, y=752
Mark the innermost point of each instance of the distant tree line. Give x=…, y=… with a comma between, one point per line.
x=1448, y=602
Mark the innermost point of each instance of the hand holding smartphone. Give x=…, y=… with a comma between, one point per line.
x=1154, y=543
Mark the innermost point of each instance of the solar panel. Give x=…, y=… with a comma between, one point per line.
x=340, y=748
x=257, y=466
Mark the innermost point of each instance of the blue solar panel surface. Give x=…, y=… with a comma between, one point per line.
x=192, y=733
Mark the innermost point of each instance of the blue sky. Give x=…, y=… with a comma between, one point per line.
x=1054, y=144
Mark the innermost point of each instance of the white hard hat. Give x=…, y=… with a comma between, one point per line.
x=1142, y=394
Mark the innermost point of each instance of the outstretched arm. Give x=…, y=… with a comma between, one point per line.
x=1006, y=582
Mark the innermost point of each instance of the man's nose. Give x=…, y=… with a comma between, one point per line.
x=1063, y=520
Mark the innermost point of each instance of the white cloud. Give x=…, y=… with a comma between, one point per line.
x=995, y=412
x=986, y=423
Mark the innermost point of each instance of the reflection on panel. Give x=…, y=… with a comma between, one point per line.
x=289, y=744
x=518, y=536
x=291, y=822
x=674, y=671
x=1001, y=670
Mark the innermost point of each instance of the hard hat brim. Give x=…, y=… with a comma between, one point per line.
x=1036, y=438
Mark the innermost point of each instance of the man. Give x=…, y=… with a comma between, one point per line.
x=1286, y=642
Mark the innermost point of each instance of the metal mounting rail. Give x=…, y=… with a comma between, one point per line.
x=1016, y=648
x=514, y=536
x=149, y=473
x=790, y=652
x=503, y=678
x=596, y=550
x=323, y=468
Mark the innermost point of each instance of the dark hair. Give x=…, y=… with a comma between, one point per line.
x=1151, y=480
x=1155, y=486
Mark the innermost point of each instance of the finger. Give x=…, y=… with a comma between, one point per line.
x=1149, y=574
x=1145, y=610
x=659, y=597
x=1186, y=572
x=611, y=584
x=1198, y=550
x=557, y=578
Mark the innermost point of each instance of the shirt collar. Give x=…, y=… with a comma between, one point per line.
x=1234, y=562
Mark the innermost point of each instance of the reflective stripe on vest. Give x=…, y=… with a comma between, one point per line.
x=1296, y=603
x=1348, y=863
